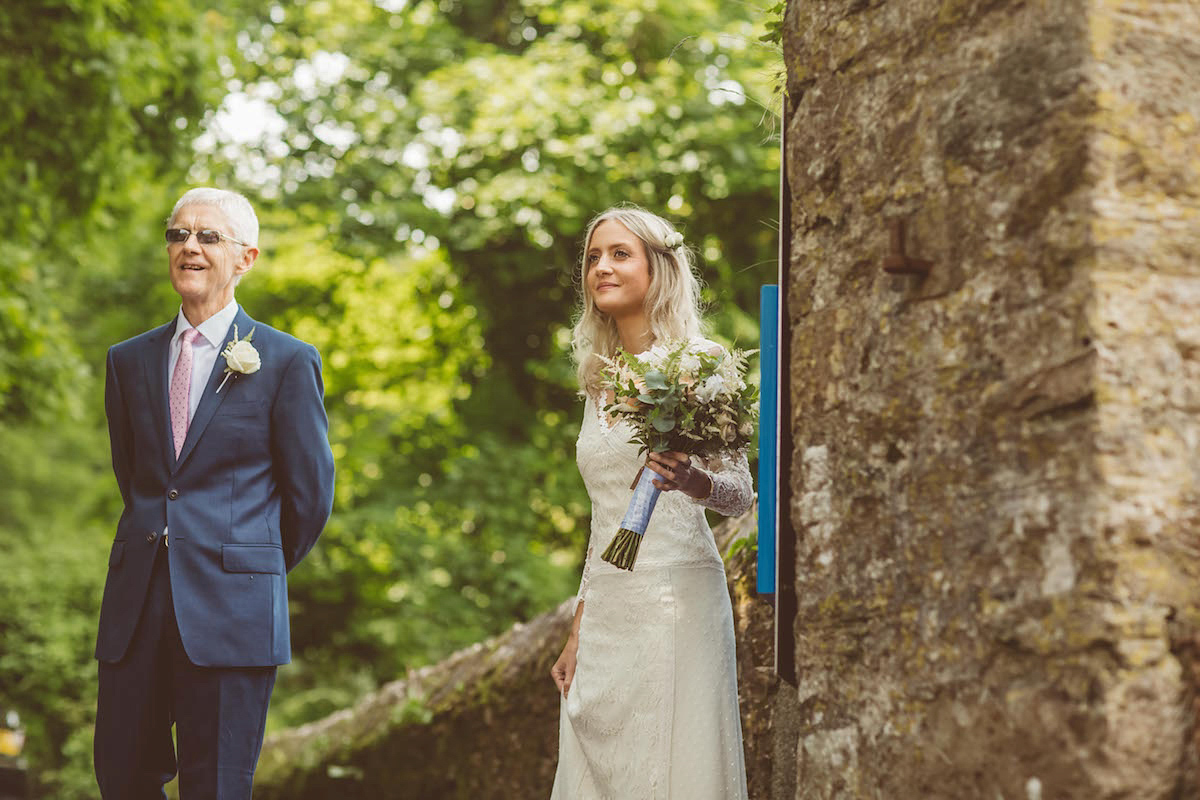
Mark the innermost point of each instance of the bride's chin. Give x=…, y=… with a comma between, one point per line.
x=610, y=309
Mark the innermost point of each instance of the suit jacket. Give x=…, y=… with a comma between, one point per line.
x=245, y=500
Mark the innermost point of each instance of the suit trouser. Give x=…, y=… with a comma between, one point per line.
x=218, y=713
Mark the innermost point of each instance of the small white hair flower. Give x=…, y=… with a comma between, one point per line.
x=672, y=240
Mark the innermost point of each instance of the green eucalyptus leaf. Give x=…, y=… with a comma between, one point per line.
x=656, y=380
x=662, y=424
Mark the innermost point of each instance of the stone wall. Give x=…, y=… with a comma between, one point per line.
x=994, y=478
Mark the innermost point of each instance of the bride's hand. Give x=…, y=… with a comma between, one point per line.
x=563, y=671
x=675, y=472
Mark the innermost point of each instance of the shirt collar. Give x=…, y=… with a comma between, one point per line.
x=213, y=329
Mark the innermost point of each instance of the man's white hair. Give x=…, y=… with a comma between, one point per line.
x=235, y=207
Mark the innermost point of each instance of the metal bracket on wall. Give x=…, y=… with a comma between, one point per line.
x=897, y=262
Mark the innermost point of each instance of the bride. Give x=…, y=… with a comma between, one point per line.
x=648, y=676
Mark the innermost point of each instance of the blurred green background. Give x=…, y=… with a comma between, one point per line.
x=423, y=172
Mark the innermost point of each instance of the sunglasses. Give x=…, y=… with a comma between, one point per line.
x=181, y=235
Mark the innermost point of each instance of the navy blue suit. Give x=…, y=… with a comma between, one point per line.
x=243, y=503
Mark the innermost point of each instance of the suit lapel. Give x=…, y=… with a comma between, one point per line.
x=156, y=357
x=211, y=400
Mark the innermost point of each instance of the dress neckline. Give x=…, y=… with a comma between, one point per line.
x=606, y=423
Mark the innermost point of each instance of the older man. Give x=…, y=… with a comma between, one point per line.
x=221, y=453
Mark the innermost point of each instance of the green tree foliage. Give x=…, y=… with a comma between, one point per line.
x=478, y=139
x=101, y=101
x=98, y=98
x=424, y=172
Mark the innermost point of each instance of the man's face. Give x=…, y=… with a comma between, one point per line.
x=205, y=274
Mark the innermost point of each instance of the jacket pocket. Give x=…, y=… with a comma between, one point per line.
x=252, y=558
x=116, y=554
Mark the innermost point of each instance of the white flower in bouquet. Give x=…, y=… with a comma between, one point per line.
x=731, y=373
x=655, y=357
x=710, y=389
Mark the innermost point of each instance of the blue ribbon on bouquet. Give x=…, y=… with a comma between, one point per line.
x=623, y=549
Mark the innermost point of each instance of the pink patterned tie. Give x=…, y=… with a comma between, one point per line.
x=181, y=389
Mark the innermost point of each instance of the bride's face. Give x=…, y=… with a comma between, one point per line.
x=618, y=271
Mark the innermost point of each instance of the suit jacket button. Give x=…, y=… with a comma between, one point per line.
x=150, y=537
x=171, y=495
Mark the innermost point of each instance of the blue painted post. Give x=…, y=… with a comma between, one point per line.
x=768, y=436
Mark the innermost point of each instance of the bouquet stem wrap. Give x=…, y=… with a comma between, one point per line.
x=623, y=549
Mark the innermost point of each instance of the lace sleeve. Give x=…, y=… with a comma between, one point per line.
x=732, y=487
x=583, y=581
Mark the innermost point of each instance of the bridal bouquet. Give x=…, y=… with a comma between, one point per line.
x=688, y=396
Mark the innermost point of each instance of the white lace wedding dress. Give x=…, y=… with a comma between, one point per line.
x=652, y=713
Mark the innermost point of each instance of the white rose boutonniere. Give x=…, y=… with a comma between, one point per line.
x=240, y=356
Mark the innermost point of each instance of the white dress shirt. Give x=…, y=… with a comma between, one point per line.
x=205, y=349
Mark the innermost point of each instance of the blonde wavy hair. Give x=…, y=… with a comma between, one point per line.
x=672, y=301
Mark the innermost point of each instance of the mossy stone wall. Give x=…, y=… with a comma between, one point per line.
x=995, y=469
